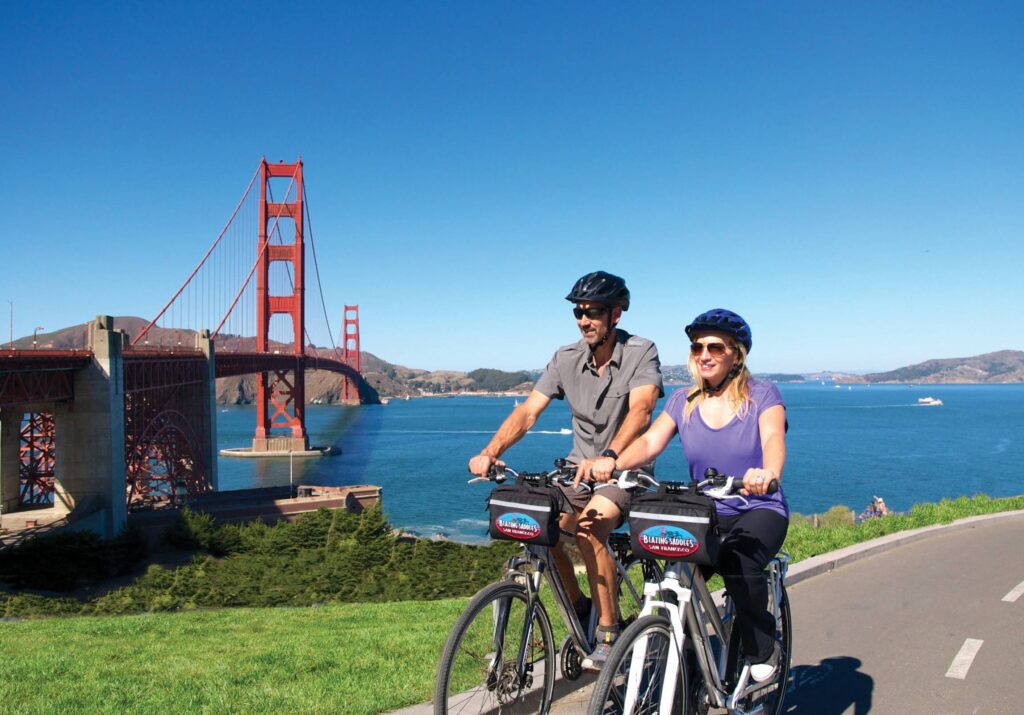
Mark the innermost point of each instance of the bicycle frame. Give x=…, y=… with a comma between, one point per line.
x=542, y=563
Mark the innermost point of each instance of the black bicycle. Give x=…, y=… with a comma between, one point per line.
x=500, y=654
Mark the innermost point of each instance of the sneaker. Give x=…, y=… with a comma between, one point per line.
x=762, y=672
x=597, y=658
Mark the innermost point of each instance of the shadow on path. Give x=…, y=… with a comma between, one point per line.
x=829, y=688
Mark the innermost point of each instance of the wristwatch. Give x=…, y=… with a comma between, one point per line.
x=610, y=453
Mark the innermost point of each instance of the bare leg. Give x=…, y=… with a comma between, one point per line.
x=564, y=564
x=593, y=525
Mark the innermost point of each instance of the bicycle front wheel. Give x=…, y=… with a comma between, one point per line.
x=633, y=680
x=494, y=660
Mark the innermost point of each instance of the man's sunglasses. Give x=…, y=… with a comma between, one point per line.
x=591, y=313
x=715, y=349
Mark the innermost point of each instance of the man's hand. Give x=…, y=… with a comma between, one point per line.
x=594, y=470
x=481, y=464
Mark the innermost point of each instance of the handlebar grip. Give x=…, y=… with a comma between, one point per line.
x=773, y=486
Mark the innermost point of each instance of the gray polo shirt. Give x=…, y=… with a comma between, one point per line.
x=599, y=403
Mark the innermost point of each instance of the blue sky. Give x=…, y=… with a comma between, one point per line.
x=847, y=176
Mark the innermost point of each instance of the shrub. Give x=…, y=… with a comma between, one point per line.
x=64, y=561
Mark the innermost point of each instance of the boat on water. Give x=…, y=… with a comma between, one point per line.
x=930, y=401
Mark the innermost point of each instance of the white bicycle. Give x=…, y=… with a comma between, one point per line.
x=682, y=654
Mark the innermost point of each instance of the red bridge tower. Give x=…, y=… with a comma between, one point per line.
x=281, y=398
x=350, y=353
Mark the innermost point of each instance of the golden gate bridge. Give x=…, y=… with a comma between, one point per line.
x=127, y=422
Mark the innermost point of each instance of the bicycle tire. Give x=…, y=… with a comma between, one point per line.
x=473, y=676
x=637, y=569
x=771, y=698
x=653, y=633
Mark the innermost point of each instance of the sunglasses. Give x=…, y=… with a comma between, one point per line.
x=715, y=349
x=591, y=313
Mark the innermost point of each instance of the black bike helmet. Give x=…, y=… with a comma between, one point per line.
x=600, y=287
x=724, y=321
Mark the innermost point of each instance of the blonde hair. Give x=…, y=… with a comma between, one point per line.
x=737, y=392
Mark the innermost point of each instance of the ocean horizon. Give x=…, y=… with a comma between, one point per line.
x=846, y=444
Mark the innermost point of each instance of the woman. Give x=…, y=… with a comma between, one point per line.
x=737, y=425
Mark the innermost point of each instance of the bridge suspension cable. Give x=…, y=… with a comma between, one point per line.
x=247, y=283
x=217, y=264
x=220, y=290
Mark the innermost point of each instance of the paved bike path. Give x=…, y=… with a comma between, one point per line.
x=830, y=652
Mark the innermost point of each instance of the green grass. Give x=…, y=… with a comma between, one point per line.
x=337, y=658
x=344, y=658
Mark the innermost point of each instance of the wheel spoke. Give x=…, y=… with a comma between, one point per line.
x=479, y=669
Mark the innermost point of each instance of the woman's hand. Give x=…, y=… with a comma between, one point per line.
x=756, y=481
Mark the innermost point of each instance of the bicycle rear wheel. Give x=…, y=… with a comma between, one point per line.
x=635, y=672
x=772, y=696
x=631, y=588
x=479, y=670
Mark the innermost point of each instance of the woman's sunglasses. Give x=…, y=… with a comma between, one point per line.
x=715, y=349
x=591, y=313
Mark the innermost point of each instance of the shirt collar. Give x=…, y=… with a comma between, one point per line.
x=586, y=365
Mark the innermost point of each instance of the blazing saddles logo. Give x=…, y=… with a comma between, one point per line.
x=669, y=541
x=516, y=525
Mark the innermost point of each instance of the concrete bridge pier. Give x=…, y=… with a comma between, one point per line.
x=90, y=434
x=205, y=343
x=10, y=458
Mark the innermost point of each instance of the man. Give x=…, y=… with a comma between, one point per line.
x=612, y=380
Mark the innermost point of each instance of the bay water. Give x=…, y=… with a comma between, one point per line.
x=845, y=444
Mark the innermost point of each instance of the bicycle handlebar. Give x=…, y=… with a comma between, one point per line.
x=714, y=484
x=722, y=483
x=564, y=474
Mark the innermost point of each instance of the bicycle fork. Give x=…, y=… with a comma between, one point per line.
x=500, y=615
x=654, y=599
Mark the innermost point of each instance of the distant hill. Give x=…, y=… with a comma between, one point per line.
x=998, y=367
x=391, y=380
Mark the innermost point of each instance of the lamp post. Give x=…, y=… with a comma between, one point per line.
x=34, y=333
x=180, y=493
x=11, y=303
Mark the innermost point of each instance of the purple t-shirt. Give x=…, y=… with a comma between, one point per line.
x=732, y=449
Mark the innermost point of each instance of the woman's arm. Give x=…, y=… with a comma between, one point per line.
x=648, y=445
x=772, y=426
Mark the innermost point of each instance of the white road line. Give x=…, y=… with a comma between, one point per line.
x=962, y=661
x=1015, y=593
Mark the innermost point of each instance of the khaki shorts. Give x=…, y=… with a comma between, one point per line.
x=579, y=499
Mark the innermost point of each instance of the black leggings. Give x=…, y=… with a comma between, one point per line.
x=749, y=541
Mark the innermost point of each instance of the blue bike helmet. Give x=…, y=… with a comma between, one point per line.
x=724, y=321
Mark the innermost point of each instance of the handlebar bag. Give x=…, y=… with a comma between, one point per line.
x=525, y=513
x=675, y=526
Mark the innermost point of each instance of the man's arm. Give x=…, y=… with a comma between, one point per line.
x=511, y=431
x=641, y=406
x=642, y=400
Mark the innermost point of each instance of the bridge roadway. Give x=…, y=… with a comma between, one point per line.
x=933, y=627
